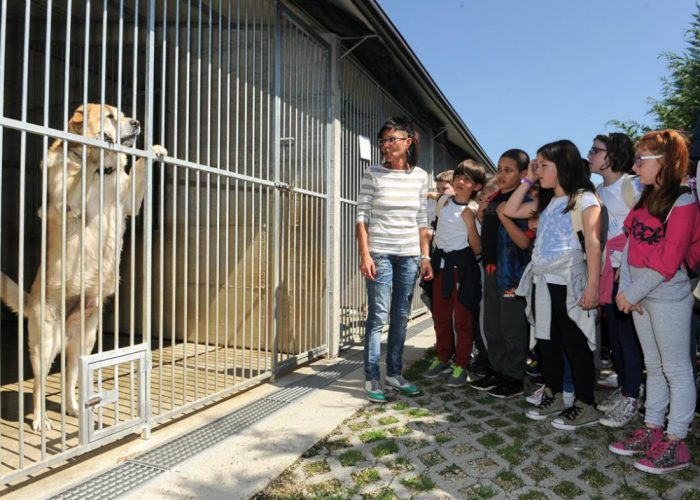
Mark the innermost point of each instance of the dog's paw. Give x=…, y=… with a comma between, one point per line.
x=160, y=151
x=72, y=412
x=36, y=424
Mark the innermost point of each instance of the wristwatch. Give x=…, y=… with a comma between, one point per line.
x=424, y=257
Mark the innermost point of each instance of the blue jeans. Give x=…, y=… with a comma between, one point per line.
x=391, y=291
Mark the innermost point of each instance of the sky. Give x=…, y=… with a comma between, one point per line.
x=525, y=73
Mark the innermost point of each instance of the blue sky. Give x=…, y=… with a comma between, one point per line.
x=524, y=73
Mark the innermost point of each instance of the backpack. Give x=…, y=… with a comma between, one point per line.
x=577, y=223
x=628, y=190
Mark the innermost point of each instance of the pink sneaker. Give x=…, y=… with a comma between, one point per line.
x=665, y=456
x=641, y=441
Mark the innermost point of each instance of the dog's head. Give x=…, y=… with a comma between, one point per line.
x=91, y=121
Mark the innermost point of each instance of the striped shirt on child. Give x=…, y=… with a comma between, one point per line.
x=393, y=205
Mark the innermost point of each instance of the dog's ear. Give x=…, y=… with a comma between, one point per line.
x=75, y=124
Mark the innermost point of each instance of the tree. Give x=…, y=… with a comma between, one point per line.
x=680, y=103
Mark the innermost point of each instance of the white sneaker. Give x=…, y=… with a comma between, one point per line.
x=612, y=400
x=568, y=398
x=536, y=397
x=608, y=380
x=620, y=414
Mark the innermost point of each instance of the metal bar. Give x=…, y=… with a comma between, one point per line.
x=173, y=293
x=198, y=144
x=228, y=195
x=187, y=206
x=218, y=202
x=245, y=189
x=44, y=201
x=161, y=211
x=276, y=194
x=64, y=167
x=237, y=185
x=208, y=209
x=20, y=258
x=148, y=201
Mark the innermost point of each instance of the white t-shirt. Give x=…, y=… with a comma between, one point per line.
x=452, y=233
x=555, y=233
x=612, y=198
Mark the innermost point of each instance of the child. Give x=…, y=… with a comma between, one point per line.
x=561, y=287
x=505, y=255
x=456, y=283
x=611, y=157
x=663, y=228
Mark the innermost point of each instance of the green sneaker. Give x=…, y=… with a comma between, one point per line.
x=458, y=377
x=403, y=386
x=437, y=368
x=374, y=392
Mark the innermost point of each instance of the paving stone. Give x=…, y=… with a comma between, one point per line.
x=460, y=443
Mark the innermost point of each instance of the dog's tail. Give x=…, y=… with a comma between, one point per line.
x=9, y=293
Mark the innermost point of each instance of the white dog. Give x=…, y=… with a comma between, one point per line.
x=116, y=207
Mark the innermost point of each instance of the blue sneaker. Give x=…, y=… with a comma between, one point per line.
x=374, y=392
x=403, y=386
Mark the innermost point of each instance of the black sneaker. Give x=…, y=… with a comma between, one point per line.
x=509, y=388
x=487, y=383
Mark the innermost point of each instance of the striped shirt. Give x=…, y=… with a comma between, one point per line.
x=393, y=205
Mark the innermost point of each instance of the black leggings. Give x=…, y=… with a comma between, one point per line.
x=565, y=335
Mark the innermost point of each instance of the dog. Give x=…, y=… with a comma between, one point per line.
x=100, y=123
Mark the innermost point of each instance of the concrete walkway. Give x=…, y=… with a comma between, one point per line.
x=332, y=443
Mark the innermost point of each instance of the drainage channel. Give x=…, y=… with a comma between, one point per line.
x=142, y=468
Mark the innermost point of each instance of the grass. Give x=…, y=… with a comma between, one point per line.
x=444, y=437
x=384, y=493
x=359, y=426
x=491, y=440
x=400, y=406
x=478, y=492
x=400, y=465
x=518, y=432
x=399, y=431
x=418, y=483
x=567, y=489
x=419, y=412
x=657, y=483
x=595, y=478
x=497, y=423
x=388, y=420
x=625, y=491
x=533, y=495
x=327, y=489
x=565, y=462
x=366, y=476
x=508, y=480
x=431, y=458
x=372, y=436
x=351, y=458
x=518, y=418
x=385, y=448
x=513, y=453
x=337, y=444
x=316, y=468
x=538, y=472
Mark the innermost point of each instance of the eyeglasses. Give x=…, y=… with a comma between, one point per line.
x=390, y=140
x=639, y=159
x=594, y=150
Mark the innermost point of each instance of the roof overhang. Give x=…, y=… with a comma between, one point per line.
x=369, y=35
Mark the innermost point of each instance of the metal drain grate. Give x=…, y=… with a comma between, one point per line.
x=112, y=483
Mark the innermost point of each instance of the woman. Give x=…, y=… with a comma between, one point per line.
x=393, y=239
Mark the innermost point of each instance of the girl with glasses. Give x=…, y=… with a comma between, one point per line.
x=611, y=157
x=664, y=234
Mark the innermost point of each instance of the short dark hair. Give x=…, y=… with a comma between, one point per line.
x=521, y=158
x=572, y=174
x=474, y=170
x=620, y=154
x=403, y=124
